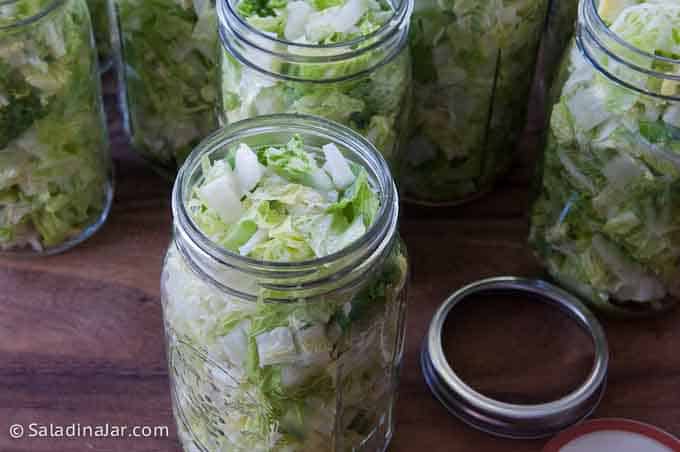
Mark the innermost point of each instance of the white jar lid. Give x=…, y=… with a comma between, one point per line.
x=620, y=435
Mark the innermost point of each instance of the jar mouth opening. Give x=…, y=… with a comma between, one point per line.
x=590, y=8
x=371, y=158
x=45, y=11
x=595, y=4
x=608, y=52
x=227, y=10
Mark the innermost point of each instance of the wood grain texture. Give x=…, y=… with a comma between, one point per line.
x=81, y=337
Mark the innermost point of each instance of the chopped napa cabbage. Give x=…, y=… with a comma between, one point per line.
x=337, y=166
x=258, y=376
x=607, y=221
x=169, y=68
x=222, y=196
x=357, y=91
x=302, y=375
x=247, y=168
x=278, y=202
x=269, y=376
x=234, y=345
x=54, y=162
x=316, y=22
x=276, y=347
x=470, y=101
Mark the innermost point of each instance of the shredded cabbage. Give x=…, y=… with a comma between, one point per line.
x=169, y=50
x=54, y=162
x=312, y=375
x=607, y=222
x=315, y=21
x=374, y=104
x=470, y=99
x=270, y=202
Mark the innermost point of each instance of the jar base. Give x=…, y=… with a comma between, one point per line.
x=459, y=202
x=85, y=234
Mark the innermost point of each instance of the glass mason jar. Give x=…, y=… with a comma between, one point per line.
x=345, y=312
x=55, y=167
x=364, y=83
x=100, y=13
x=167, y=68
x=606, y=223
x=471, y=100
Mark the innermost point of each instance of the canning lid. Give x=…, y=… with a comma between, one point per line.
x=506, y=419
x=620, y=435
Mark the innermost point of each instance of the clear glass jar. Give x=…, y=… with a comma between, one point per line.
x=471, y=100
x=167, y=68
x=100, y=12
x=606, y=222
x=55, y=167
x=346, y=313
x=364, y=83
x=558, y=34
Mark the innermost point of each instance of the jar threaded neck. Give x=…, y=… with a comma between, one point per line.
x=288, y=280
x=619, y=60
x=331, y=63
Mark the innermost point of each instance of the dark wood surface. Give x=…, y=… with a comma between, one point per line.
x=81, y=337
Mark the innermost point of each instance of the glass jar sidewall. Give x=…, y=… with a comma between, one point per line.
x=102, y=21
x=379, y=100
x=363, y=340
x=164, y=133
x=561, y=162
x=458, y=150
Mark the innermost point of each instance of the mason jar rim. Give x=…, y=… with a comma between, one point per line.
x=402, y=14
x=593, y=5
x=232, y=133
x=47, y=10
x=591, y=23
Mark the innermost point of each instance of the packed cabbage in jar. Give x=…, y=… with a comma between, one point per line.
x=54, y=165
x=314, y=375
x=473, y=65
x=101, y=24
x=374, y=104
x=169, y=64
x=607, y=222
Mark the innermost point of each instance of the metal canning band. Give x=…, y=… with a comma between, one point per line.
x=505, y=419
